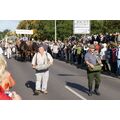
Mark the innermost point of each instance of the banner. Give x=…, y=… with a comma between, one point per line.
x=21, y=31
x=81, y=26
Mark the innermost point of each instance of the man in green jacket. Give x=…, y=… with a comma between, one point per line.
x=91, y=60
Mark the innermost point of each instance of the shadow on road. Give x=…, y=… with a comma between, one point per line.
x=30, y=84
x=67, y=75
x=77, y=86
x=83, y=67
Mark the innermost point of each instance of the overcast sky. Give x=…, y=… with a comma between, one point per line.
x=8, y=24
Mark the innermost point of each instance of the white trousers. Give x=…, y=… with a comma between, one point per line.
x=42, y=80
x=9, y=53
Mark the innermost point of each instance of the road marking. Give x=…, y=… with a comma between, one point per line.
x=108, y=76
x=78, y=95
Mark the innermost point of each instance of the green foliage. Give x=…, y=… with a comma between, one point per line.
x=105, y=26
x=45, y=29
x=64, y=29
x=4, y=33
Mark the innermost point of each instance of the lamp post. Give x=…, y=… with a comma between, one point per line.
x=27, y=27
x=55, y=32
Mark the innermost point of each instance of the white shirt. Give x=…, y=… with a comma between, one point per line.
x=55, y=49
x=103, y=53
x=118, y=53
x=118, y=39
x=41, y=59
x=1, y=51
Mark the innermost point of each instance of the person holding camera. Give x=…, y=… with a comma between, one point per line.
x=94, y=66
x=5, y=93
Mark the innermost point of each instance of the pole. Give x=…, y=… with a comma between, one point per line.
x=27, y=28
x=55, y=32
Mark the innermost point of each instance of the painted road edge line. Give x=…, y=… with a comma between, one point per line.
x=78, y=95
x=108, y=76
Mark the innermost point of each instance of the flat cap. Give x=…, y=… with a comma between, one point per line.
x=91, y=46
x=42, y=45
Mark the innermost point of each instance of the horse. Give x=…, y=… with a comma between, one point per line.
x=31, y=50
x=21, y=50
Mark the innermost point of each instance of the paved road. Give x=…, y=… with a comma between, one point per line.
x=66, y=83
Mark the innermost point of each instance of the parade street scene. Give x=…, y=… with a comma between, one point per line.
x=59, y=59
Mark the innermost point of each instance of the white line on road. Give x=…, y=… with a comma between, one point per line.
x=78, y=95
x=108, y=76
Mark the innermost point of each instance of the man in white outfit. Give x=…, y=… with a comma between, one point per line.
x=55, y=50
x=6, y=45
x=41, y=62
x=1, y=50
x=9, y=51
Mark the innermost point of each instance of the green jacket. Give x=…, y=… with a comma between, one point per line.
x=78, y=50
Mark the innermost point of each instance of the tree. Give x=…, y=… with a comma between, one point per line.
x=43, y=29
x=105, y=26
x=64, y=29
x=4, y=33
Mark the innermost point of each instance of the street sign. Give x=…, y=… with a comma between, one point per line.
x=21, y=31
x=81, y=26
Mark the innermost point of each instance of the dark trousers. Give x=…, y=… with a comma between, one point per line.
x=91, y=77
x=105, y=65
x=55, y=55
x=79, y=59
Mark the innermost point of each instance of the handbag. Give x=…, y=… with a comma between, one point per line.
x=96, y=68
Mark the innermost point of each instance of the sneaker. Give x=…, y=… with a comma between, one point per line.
x=45, y=92
x=36, y=92
x=97, y=92
x=90, y=93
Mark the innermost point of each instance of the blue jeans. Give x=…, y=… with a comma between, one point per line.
x=118, y=67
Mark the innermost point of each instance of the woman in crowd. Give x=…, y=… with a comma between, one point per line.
x=5, y=94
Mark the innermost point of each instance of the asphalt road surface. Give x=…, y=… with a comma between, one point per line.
x=66, y=83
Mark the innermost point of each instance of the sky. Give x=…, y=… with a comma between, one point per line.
x=8, y=24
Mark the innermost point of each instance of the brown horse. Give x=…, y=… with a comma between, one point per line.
x=21, y=50
x=26, y=49
x=17, y=45
x=30, y=50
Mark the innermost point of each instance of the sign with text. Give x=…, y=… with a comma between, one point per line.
x=81, y=26
x=21, y=31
